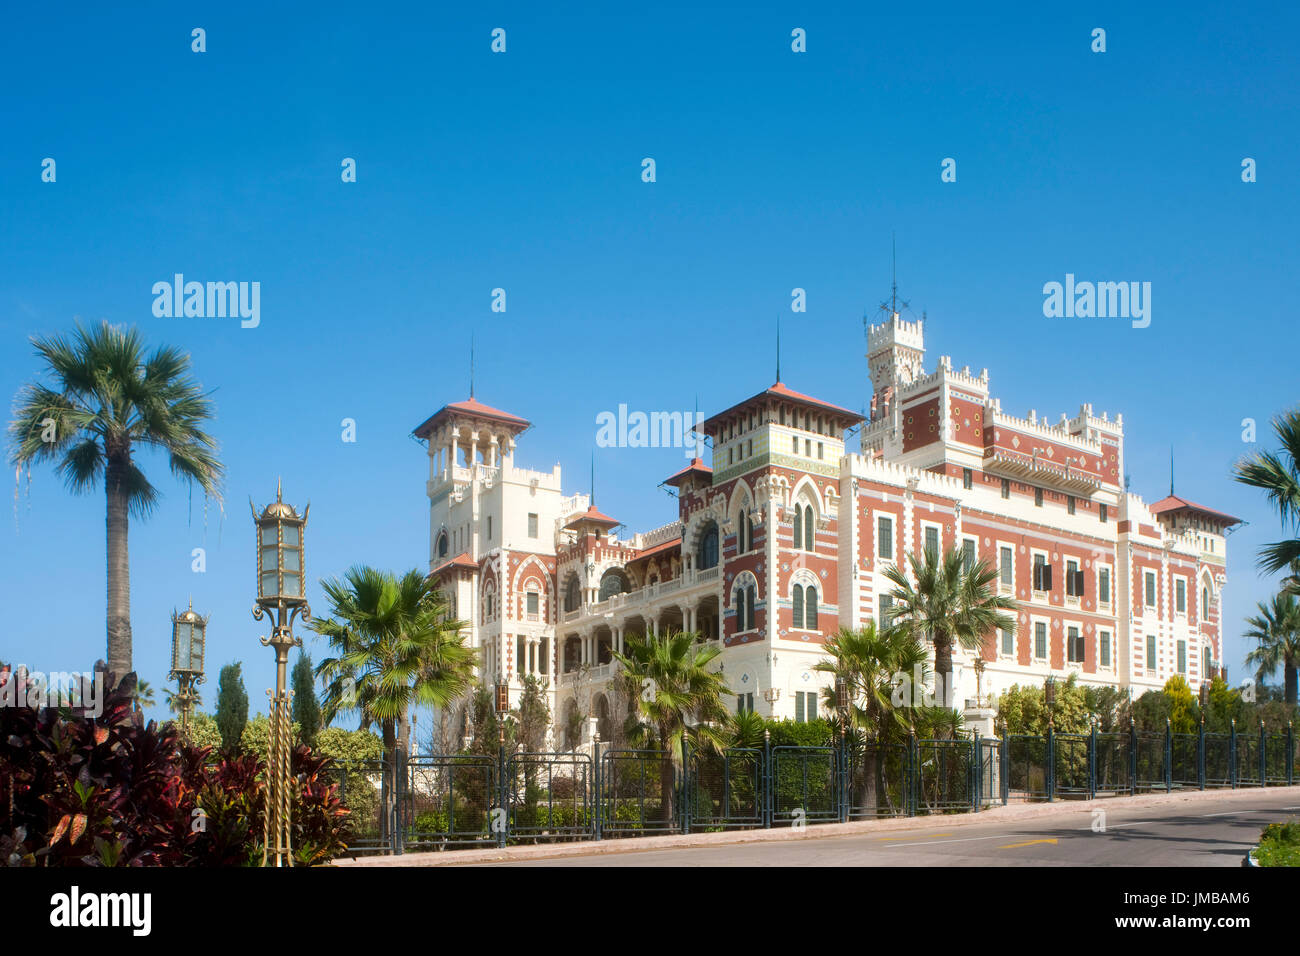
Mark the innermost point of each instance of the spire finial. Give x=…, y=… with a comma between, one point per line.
x=593, y=477
x=893, y=273
x=279, y=496
x=1171, y=471
x=471, y=364
x=778, y=347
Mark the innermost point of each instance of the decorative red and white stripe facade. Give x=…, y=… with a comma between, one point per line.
x=786, y=536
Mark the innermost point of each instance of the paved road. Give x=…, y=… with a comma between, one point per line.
x=1211, y=832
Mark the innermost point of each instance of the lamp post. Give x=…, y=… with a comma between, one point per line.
x=189, y=635
x=280, y=569
x=1049, y=698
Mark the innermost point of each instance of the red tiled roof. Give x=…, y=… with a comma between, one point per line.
x=697, y=464
x=474, y=409
x=462, y=561
x=1174, y=503
x=779, y=390
x=649, y=552
x=591, y=515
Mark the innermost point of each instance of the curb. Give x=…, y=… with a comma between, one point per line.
x=1011, y=813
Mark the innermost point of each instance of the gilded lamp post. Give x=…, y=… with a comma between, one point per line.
x=280, y=568
x=189, y=635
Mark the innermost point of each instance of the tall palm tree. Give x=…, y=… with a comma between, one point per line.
x=107, y=399
x=680, y=695
x=1276, y=628
x=1278, y=474
x=950, y=604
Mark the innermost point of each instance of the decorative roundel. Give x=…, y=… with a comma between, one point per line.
x=1088, y=605
x=823, y=574
x=1087, y=564
x=909, y=419
x=803, y=637
x=1055, y=556
x=1087, y=628
x=968, y=423
x=1023, y=616
x=932, y=411
x=744, y=678
x=866, y=512
x=1022, y=592
x=1056, y=625
x=785, y=567
x=805, y=677
x=783, y=632
x=909, y=436
x=1022, y=549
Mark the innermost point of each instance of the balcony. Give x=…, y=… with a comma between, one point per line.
x=1037, y=470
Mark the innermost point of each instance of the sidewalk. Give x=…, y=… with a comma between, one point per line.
x=1013, y=813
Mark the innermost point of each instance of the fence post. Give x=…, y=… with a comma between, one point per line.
x=502, y=803
x=1004, y=748
x=1169, y=756
x=1290, y=756
x=687, y=789
x=1132, y=758
x=1264, y=777
x=399, y=798
x=767, y=780
x=1200, y=755
x=1092, y=760
x=842, y=777
x=1232, y=753
x=914, y=775
x=1051, y=764
x=597, y=808
x=977, y=799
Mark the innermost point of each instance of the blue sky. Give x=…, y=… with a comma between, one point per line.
x=522, y=171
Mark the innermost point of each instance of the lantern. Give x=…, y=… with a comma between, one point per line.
x=189, y=634
x=280, y=564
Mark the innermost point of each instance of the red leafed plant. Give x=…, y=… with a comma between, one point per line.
x=108, y=790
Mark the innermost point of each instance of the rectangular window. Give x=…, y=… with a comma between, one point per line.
x=1042, y=573
x=967, y=479
x=1006, y=487
x=1040, y=640
x=885, y=538
x=1004, y=559
x=749, y=448
x=1074, y=645
x=1069, y=504
x=1101, y=511
x=819, y=450
x=1182, y=657
x=1205, y=662
x=1103, y=648
x=533, y=600
x=532, y=525
x=1008, y=641
x=795, y=443
x=1150, y=596
x=489, y=527
x=932, y=541
x=1038, y=497
x=1180, y=596
x=1151, y=653
x=885, y=612
x=968, y=554
x=798, y=707
x=1103, y=585
x=805, y=706
x=744, y=703
x=807, y=447
x=1073, y=579
x=521, y=664
x=810, y=708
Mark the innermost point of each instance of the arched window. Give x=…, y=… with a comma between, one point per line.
x=798, y=605
x=807, y=528
x=744, y=531
x=810, y=608
x=442, y=545
x=706, y=552
x=798, y=526
x=572, y=594
x=745, y=599
x=611, y=583
x=1205, y=602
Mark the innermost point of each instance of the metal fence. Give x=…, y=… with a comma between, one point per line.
x=445, y=802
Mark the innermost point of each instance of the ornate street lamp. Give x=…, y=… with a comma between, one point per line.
x=280, y=576
x=189, y=636
x=1049, y=698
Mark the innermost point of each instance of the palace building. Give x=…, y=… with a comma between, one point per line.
x=784, y=537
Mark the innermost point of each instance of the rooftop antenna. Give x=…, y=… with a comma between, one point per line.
x=471, y=365
x=593, y=477
x=778, y=351
x=893, y=273
x=1171, y=471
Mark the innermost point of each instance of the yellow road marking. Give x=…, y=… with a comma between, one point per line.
x=1012, y=846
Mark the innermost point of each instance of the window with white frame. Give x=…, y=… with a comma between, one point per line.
x=1182, y=657
x=1006, y=567
x=1042, y=576
x=1151, y=653
x=1040, y=640
x=805, y=706
x=803, y=598
x=885, y=611
x=532, y=604
x=1103, y=586
x=885, y=537
x=968, y=554
x=1074, y=648
x=1008, y=641
x=532, y=525
x=1149, y=595
x=1103, y=649
x=931, y=533
x=1180, y=595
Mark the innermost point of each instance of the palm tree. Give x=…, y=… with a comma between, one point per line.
x=878, y=667
x=396, y=646
x=142, y=696
x=950, y=602
x=107, y=400
x=1277, y=630
x=680, y=697
x=1278, y=474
